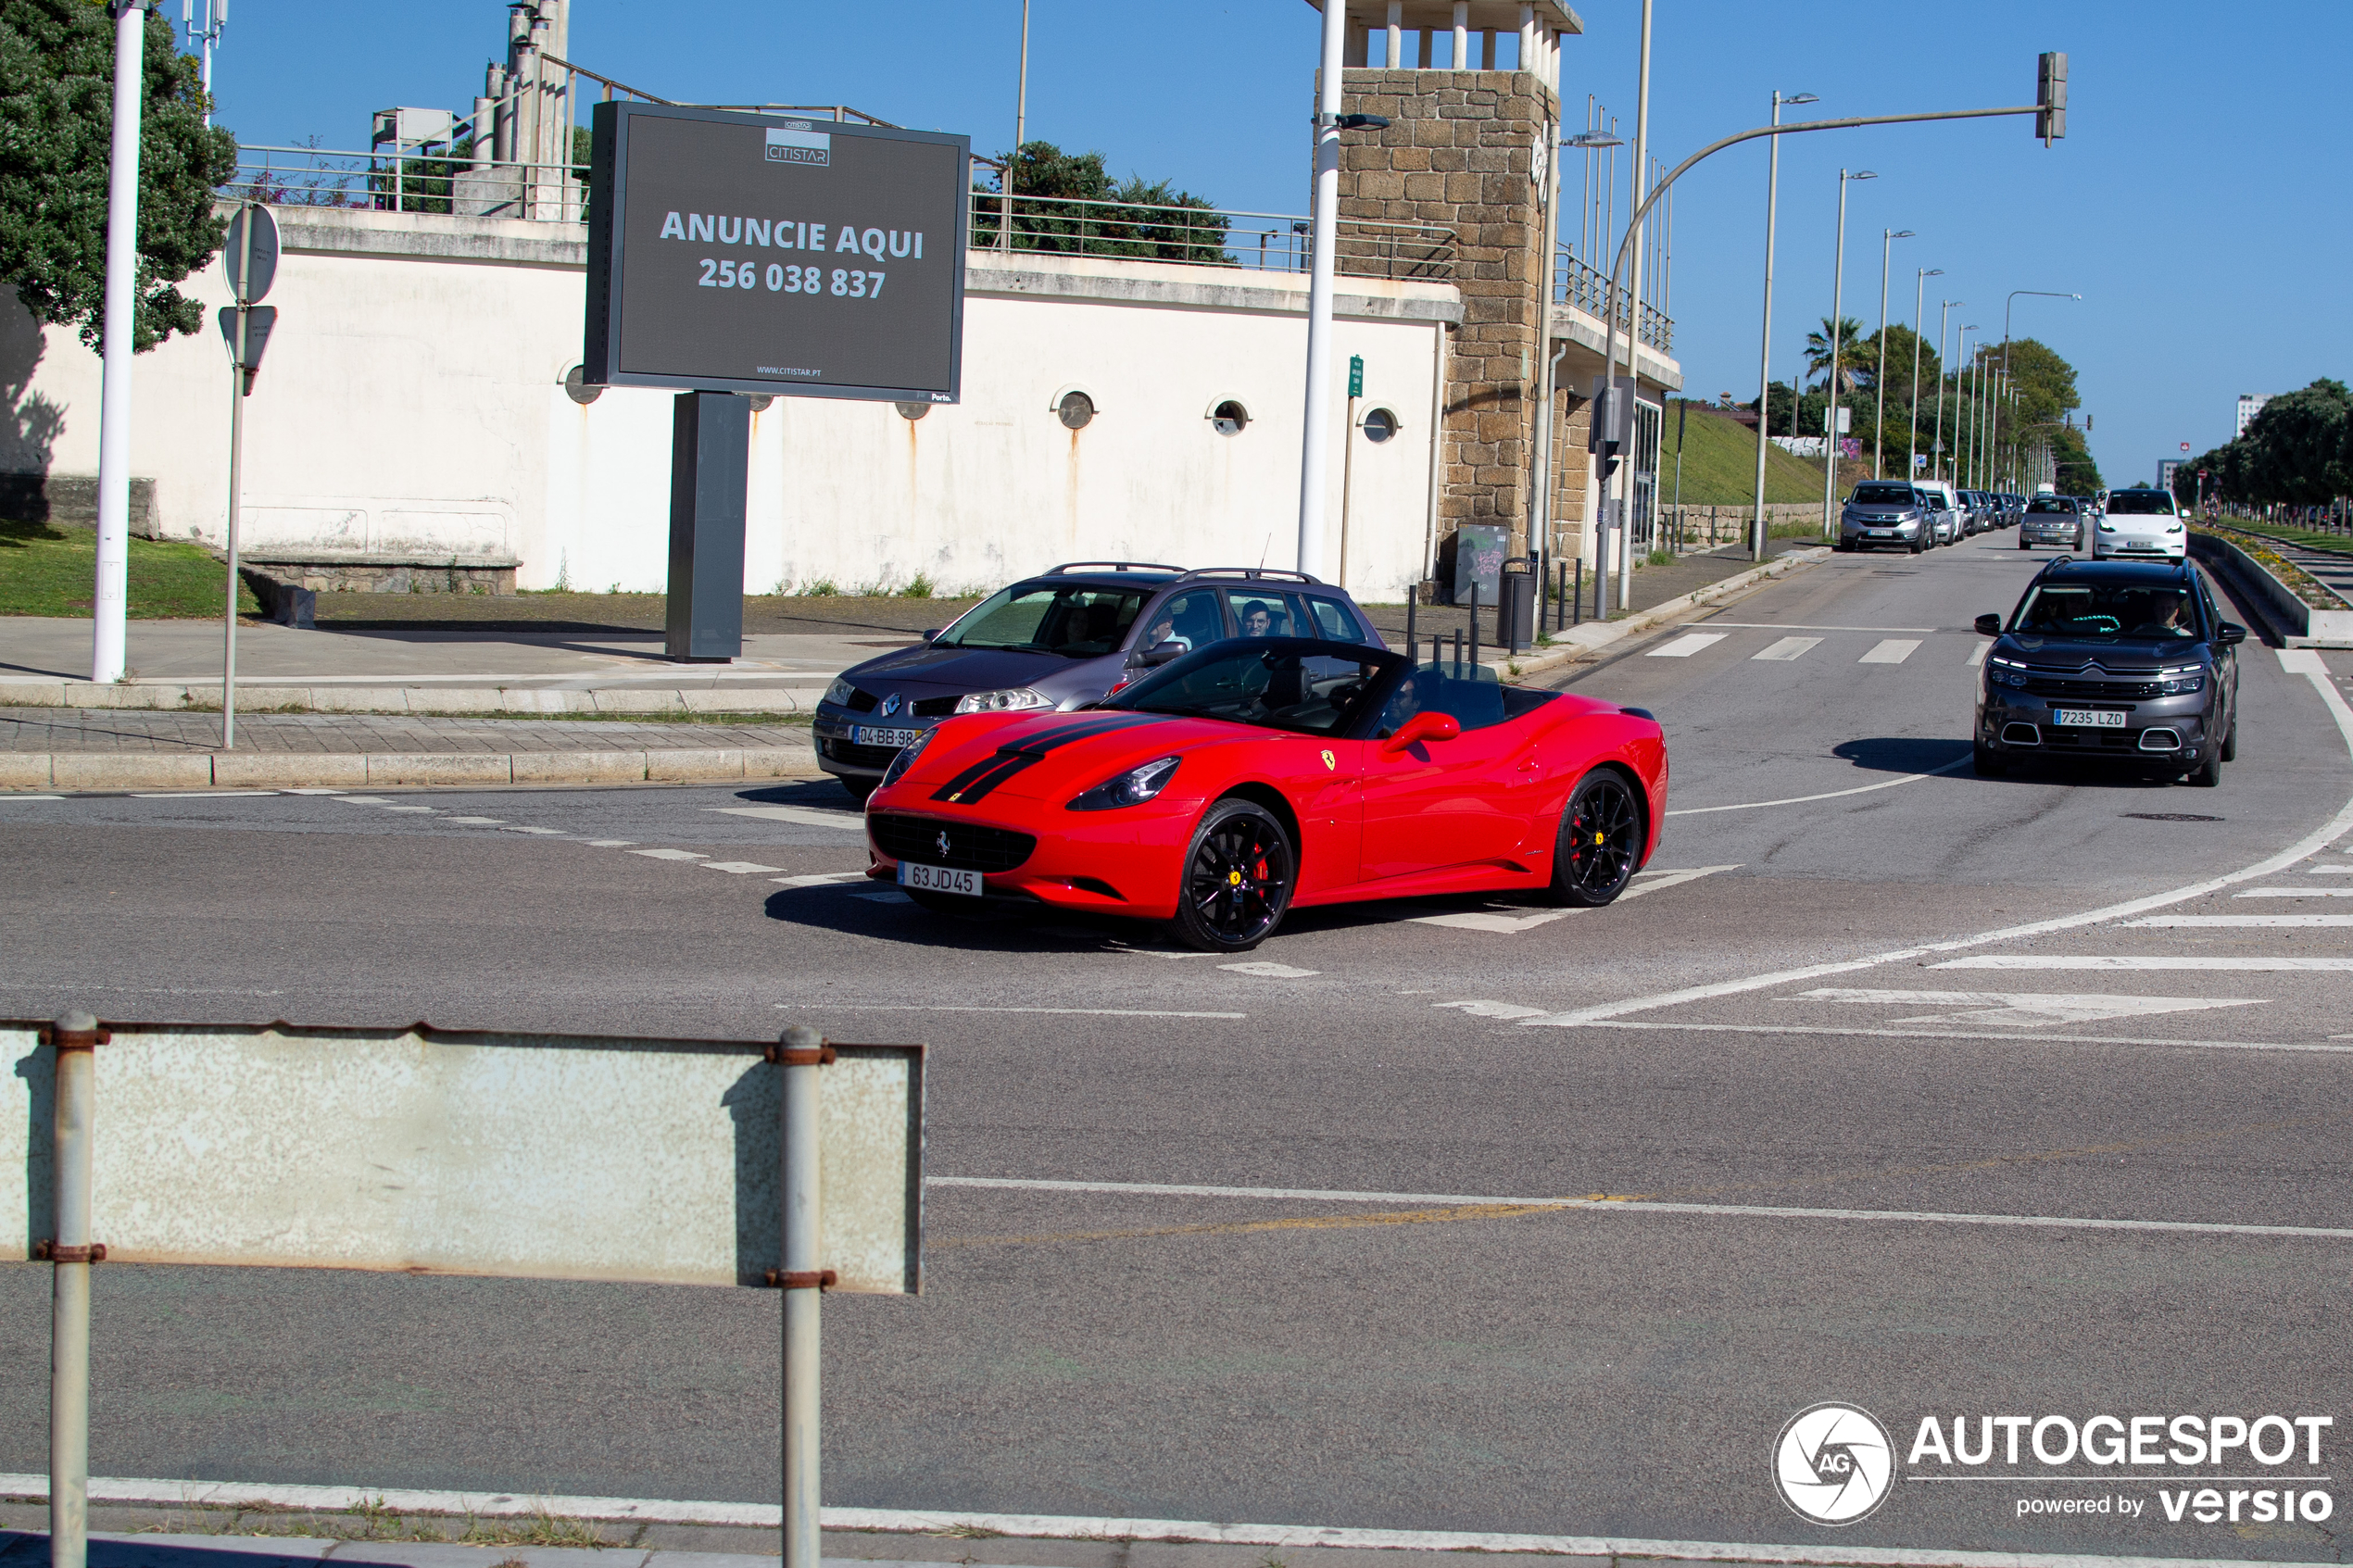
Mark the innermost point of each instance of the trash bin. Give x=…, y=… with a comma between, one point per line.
x=1516, y=604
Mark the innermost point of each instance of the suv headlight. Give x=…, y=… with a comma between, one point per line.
x=2181, y=680
x=2005, y=671
x=905, y=759
x=2106, y=527
x=1001, y=702
x=1130, y=788
x=840, y=692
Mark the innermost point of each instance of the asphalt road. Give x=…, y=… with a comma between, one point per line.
x=1908, y=1089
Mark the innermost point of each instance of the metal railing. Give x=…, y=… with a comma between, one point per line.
x=1273, y=242
x=414, y=182
x=1586, y=288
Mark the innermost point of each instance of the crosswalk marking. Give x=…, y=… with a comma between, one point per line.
x=2242, y=921
x=1976, y=655
x=2296, y=893
x=2138, y=961
x=804, y=815
x=1891, y=650
x=1505, y=919
x=670, y=854
x=1788, y=648
x=2026, y=1009
x=1687, y=645
x=741, y=867
x=820, y=879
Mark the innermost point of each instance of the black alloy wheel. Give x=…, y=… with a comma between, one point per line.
x=2207, y=774
x=2231, y=736
x=1237, y=879
x=1600, y=842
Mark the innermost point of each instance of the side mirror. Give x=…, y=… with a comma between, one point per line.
x=928, y=636
x=1989, y=625
x=1422, y=726
x=1162, y=653
x=2230, y=635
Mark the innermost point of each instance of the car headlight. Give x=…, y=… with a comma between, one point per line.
x=1002, y=702
x=1130, y=788
x=2005, y=671
x=2173, y=528
x=906, y=760
x=2106, y=527
x=840, y=692
x=2181, y=680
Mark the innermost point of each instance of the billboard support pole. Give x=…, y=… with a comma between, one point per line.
x=70, y=1254
x=803, y=1056
x=710, y=473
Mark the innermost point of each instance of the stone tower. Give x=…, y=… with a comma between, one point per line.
x=1471, y=90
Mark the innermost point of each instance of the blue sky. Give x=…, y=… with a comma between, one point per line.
x=2199, y=202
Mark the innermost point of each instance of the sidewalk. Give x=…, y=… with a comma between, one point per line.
x=43, y=749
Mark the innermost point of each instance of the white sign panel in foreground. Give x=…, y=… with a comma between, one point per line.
x=431, y=1151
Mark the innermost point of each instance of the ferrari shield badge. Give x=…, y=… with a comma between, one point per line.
x=1328, y=763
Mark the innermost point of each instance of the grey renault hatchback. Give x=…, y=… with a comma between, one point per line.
x=1066, y=637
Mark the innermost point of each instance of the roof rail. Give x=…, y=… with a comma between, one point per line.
x=1070, y=566
x=1253, y=573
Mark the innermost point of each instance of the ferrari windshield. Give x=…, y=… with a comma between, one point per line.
x=1289, y=684
x=1070, y=619
x=2108, y=610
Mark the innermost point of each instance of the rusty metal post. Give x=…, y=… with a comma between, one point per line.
x=803, y=1058
x=70, y=1252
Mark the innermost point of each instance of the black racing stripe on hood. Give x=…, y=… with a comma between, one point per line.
x=976, y=781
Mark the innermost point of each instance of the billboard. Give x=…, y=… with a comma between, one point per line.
x=751, y=253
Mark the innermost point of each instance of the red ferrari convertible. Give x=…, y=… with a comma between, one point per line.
x=1254, y=776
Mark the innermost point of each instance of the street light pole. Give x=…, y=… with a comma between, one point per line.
x=1765, y=346
x=1316, y=440
x=1887, y=238
x=1634, y=227
x=108, y=636
x=1919, y=322
x=1961, y=357
x=1838, y=357
x=1936, y=451
x=2045, y=293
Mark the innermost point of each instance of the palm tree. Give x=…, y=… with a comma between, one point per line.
x=1850, y=353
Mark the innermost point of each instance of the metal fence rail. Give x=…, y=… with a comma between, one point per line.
x=414, y=182
x=1586, y=288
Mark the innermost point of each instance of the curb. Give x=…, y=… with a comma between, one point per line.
x=526, y=701
x=1593, y=636
x=296, y=770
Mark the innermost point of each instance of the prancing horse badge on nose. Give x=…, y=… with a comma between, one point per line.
x=1328, y=763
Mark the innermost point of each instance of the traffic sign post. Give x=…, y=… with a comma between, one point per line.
x=249, y=256
x=1348, y=458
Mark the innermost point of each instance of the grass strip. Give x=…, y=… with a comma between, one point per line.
x=51, y=571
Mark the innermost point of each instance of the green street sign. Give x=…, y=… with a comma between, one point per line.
x=1356, y=375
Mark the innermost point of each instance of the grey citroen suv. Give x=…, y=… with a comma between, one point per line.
x=1066, y=637
x=2120, y=661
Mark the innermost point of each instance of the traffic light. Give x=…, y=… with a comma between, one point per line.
x=2050, y=98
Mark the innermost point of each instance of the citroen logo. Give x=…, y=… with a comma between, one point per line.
x=943, y=843
x=891, y=704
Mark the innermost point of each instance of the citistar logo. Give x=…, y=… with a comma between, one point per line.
x=1834, y=1463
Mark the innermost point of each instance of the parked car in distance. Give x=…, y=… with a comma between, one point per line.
x=2051, y=520
x=1884, y=511
x=2141, y=524
x=1944, y=510
x=2118, y=661
x=1068, y=636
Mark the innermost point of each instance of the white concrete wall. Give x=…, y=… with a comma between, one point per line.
x=411, y=403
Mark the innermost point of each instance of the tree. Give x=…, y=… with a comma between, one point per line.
x=2294, y=450
x=1068, y=202
x=56, y=109
x=2078, y=475
x=1850, y=355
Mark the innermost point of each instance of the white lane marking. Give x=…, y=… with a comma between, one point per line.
x=308, y=789
x=2296, y=892
x=481, y=821
x=2328, y=870
x=1787, y=650
x=4, y=798
x=1491, y=1009
x=1687, y=645
x=1893, y=650
x=2241, y=921
x=959, y=1007
x=2115, y=960
x=513, y=829
x=198, y=794
x=1976, y=655
x=1953, y=767
x=362, y=800
x=670, y=855
x=1641, y=1206
x=1845, y=1030
x=2025, y=1009
x=1506, y=925
x=1652, y=880
x=427, y=809
x=609, y=843
x=2302, y=849
x=1062, y=1528
x=1794, y=626
x=1270, y=971
x=2302, y=661
x=805, y=816
x=820, y=879
x=741, y=867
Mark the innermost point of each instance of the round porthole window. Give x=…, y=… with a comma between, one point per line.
x=1228, y=417
x=1380, y=424
x=912, y=410
x=578, y=388
x=1077, y=410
